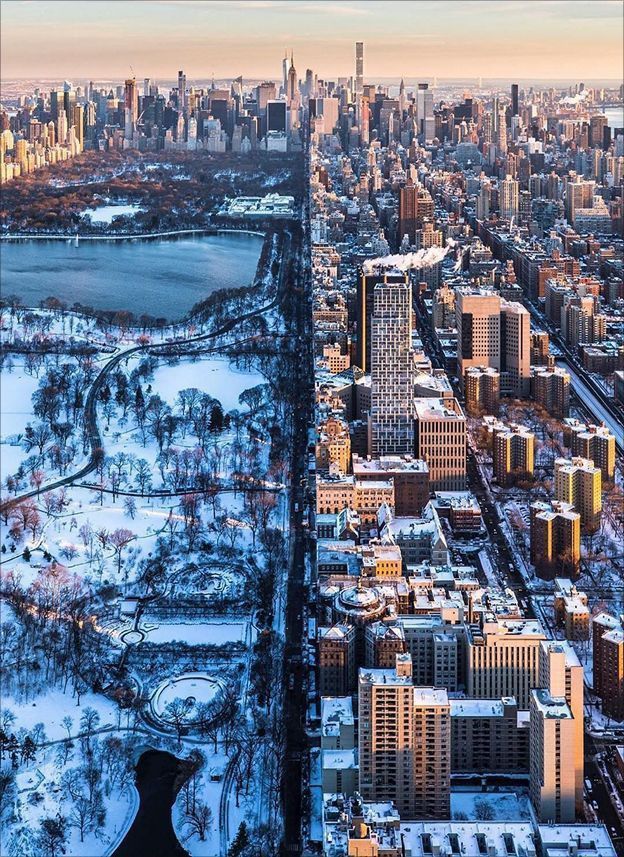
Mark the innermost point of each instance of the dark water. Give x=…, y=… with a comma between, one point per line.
x=158, y=278
x=151, y=834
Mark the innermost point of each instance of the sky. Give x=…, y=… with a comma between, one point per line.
x=113, y=39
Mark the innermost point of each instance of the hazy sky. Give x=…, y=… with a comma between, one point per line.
x=575, y=39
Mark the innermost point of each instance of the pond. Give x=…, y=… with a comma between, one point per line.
x=159, y=278
x=152, y=830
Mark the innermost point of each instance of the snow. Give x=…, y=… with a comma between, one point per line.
x=214, y=575
x=216, y=376
x=52, y=706
x=504, y=806
x=205, y=632
x=201, y=687
x=16, y=390
x=106, y=213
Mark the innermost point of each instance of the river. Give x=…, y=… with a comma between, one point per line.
x=615, y=117
x=160, y=278
x=151, y=832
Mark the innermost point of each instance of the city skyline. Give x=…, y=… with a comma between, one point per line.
x=231, y=37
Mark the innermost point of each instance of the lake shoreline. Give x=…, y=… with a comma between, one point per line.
x=142, y=236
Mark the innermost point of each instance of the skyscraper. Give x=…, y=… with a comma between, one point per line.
x=78, y=123
x=292, y=88
x=501, y=131
x=61, y=127
x=425, y=120
x=508, y=202
x=181, y=91
x=514, y=99
x=364, y=311
x=408, y=207
x=131, y=107
x=359, y=67
x=415, y=206
x=392, y=376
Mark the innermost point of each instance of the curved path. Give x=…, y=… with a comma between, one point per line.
x=90, y=410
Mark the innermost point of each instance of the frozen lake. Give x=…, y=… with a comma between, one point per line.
x=162, y=279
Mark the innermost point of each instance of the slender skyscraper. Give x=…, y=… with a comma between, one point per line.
x=392, y=377
x=514, y=99
x=131, y=107
x=359, y=67
x=181, y=91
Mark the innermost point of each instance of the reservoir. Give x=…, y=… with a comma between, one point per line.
x=162, y=278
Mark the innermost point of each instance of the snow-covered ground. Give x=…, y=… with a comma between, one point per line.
x=51, y=707
x=216, y=376
x=77, y=542
x=16, y=410
x=105, y=213
x=492, y=806
x=197, y=686
x=205, y=632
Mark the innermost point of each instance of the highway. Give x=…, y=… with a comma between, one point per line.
x=591, y=401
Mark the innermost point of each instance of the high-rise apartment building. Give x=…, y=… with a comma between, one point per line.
x=440, y=440
x=579, y=483
x=552, y=773
x=495, y=652
x=608, y=650
x=488, y=737
x=404, y=742
x=561, y=673
x=513, y=454
x=482, y=390
x=580, y=323
x=494, y=333
x=555, y=538
x=596, y=443
x=337, y=661
x=392, y=370
x=551, y=389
